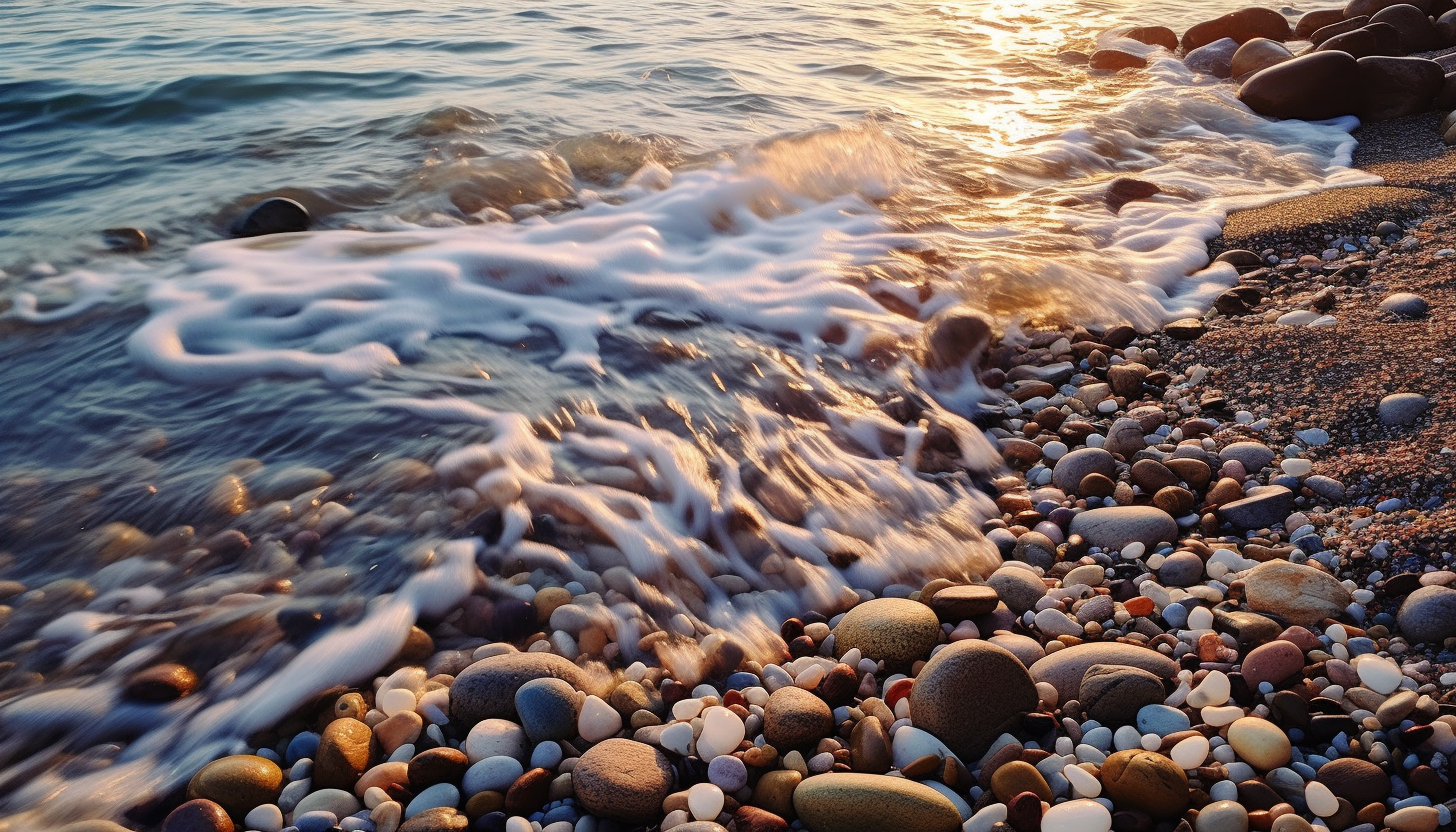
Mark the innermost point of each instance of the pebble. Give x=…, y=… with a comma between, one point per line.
x=1400, y=409
x=1005, y=692
x=1259, y=742
x=238, y=783
x=1405, y=304
x=623, y=779
x=796, y=718
x=867, y=801
x=896, y=630
x=1077, y=816
x=1145, y=781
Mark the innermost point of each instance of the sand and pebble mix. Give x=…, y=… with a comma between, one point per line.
x=1187, y=632
x=1217, y=611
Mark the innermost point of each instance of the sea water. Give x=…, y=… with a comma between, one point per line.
x=622, y=296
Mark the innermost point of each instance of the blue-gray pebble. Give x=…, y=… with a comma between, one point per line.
x=547, y=709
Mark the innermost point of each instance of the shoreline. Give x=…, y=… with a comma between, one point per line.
x=1263, y=392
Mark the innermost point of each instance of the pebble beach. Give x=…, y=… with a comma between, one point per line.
x=1213, y=591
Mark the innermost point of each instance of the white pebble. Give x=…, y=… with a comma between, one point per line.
x=705, y=801
x=396, y=701
x=1201, y=618
x=1190, y=753
x=1213, y=690
x=1084, y=783
x=598, y=720
x=1378, y=674
x=685, y=709
x=1320, y=799
x=1296, y=467
x=1219, y=717
x=722, y=732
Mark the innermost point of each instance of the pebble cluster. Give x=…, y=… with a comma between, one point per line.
x=1178, y=638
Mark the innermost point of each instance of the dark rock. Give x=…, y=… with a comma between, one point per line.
x=1241, y=26
x=1316, y=20
x=1395, y=87
x=126, y=240
x=198, y=816
x=487, y=689
x=1154, y=36
x=1263, y=506
x=1326, y=32
x=1359, y=781
x=1416, y=32
x=161, y=683
x=1004, y=692
x=1113, y=695
x=436, y=765
x=275, y=215
x=1216, y=59
x=1313, y=86
x=955, y=336
x=1257, y=54
x=1112, y=60
x=1125, y=189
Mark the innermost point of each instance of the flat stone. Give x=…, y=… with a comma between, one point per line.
x=969, y=693
x=848, y=802
x=1253, y=455
x=1263, y=506
x=1359, y=781
x=954, y=604
x=1297, y=593
x=624, y=780
x=1019, y=588
x=1114, y=527
x=487, y=689
x=1065, y=668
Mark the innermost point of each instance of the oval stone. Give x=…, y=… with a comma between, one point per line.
x=237, y=783
x=623, y=779
x=896, y=630
x=970, y=693
x=1313, y=86
x=1065, y=668
x=847, y=802
x=1114, y=527
x=487, y=689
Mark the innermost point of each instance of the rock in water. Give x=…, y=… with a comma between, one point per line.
x=1257, y=54
x=126, y=240
x=1145, y=781
x=1312, y=86
x=1111, y=60
x=1316, y=20
x=1242, y=25
x=1297, y=593
x=1154, y=36
x=1428, y=615
x=842, y=802
x=1065, y=668
x=275, y=215
x=623, y=779
x=1395, y=87
x=954, y=336
x=896, y=630
x=1125, y=189
x=1216, y=59
x=487, y=689
x=1116, y=526
x=970, y=693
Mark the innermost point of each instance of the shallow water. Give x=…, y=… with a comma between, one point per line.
x=621, y=295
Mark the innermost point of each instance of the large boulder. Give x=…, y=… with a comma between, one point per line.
x=1154, y=36
x=1242, y=25
x=1395, y=87
x=1416, y=31
x=1314, y=86
x=1446, y=28
x=970, y=693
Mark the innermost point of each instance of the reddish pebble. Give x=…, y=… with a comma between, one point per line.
x=734, y=697
x=898, y=691
x=1023, y=812
x=1139, y=606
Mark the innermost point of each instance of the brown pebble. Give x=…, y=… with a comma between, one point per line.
x=869, y=745
x=343, y=755
x=754, y=819
x=161, y=683
x=1016, y=777
x=398, y=730
x=839, y=686
x=484, y=803
x=443, y=819
x=530, y=792
x=198, y=816
x=436, y=765
x=775, y=792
